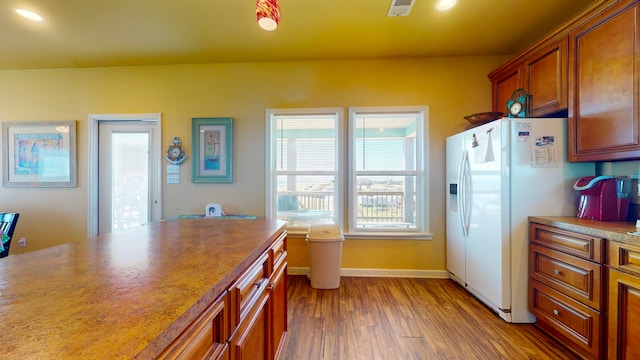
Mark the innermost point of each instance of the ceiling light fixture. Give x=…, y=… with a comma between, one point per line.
x=268, y=14
x=28, y=14
x=444, y=5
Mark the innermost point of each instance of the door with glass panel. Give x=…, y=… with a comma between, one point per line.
x=125, y=174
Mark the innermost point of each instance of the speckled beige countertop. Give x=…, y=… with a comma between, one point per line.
x=611, y=230
x=123, y=295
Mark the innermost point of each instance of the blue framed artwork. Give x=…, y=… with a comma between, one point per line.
x=212, y=151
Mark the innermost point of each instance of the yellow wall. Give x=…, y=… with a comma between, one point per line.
x=451, y=87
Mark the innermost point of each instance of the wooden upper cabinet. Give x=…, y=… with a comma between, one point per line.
x=603, y=86
x=504, y=81
x=545, y=78
x=542, y=73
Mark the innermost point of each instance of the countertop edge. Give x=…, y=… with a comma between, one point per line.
x=610, y=230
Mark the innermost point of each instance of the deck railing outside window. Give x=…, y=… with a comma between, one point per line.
x=375, y=208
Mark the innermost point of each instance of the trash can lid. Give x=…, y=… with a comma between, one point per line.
x=324, y=232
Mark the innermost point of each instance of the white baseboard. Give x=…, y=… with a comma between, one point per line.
x=398, y=273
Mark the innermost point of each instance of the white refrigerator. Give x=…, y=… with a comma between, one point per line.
x=497, y=175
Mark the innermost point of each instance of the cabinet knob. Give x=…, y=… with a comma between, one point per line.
x=556, y=271
x=556, y=312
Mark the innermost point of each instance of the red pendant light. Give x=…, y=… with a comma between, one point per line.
x=268, y=14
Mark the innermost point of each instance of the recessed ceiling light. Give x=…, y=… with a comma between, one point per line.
x=444, y=5
x=28, y=14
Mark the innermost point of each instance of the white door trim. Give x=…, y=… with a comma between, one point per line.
x=92, y=172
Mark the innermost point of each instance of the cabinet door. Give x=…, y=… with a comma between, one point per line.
x=624, y=315
x=250, y=341
x=603, y=87
x=503, y=84
x=206, y=337
x=278, y=309
x=546, y=78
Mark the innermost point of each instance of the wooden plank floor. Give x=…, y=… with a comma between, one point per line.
x=391, y=318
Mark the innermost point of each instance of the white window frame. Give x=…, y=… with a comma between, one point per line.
x=422, y=184
x=345, y=171
x=271, y=204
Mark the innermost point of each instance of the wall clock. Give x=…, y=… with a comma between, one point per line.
x=175, y=153
x=519, y=104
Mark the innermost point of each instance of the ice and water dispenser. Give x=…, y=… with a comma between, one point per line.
x=604, y=198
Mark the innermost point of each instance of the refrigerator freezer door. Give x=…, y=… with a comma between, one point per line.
x=455, y=234
x=487, y=247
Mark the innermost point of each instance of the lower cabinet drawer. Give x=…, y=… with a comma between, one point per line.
x=625, y=257
x=575, y=324
x=245, y=292
x=278, y=252
x=581, y=245
x=573, y=276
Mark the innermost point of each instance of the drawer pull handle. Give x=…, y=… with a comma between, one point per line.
x=556, y=271
x=556, y=312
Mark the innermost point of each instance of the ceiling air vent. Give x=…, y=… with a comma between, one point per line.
x=400, y=7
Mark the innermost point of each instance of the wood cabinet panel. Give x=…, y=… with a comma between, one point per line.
x=259, y=302
x=206, y=337
x=277, y=253
x=577, y=278
x=603, y=92
x=542, y=73
x=250, y=340
x=504, y=83
x=575, y=324
x=581, y=245
x=624, y=257
x=545, y=78
x=624, y=315
x=278, y=306
x=624, y=301
x=244, y=292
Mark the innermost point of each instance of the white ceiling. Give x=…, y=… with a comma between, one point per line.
x=90, y=33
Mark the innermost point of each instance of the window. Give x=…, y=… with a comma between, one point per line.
x=383, y=166
x=304, y=166
x=386, y=169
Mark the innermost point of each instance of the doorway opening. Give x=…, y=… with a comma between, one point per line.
x=125, y=173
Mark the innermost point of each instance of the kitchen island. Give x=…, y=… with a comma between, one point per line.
x=129, y=294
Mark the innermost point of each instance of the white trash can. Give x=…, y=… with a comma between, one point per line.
x=325, y=255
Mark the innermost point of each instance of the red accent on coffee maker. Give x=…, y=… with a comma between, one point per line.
x=600, y=199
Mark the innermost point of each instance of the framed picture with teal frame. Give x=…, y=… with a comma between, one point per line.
x=212, y=151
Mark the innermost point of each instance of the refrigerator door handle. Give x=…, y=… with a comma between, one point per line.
x=465, y=213
x=464, y=193
x=460, y=196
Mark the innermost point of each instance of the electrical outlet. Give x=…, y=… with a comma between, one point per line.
x=22, y=242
